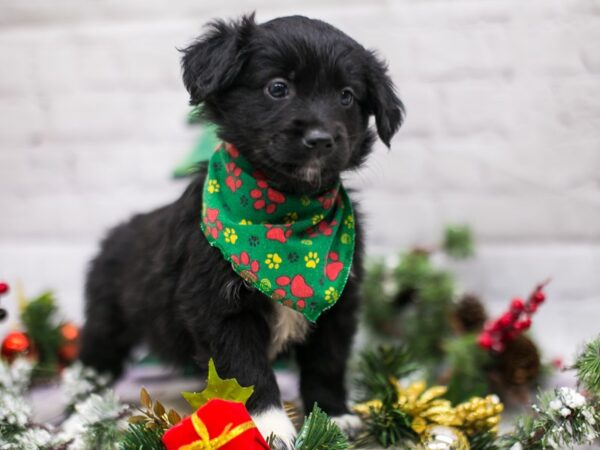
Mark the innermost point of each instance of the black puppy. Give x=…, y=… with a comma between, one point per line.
x=294, y=96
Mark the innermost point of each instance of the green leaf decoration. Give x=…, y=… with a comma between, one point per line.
x=216, y=387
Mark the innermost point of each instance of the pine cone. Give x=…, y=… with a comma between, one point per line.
x=470, y=313
x=519, y=363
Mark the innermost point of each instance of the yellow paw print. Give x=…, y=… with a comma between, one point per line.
x=304, y=200
x=312, y=259
x=349, y=222
x=306, y=242
x=331, y=295
x=213, y=186
x=317, y=218
x=273, y=260
x=290, y=217
x=245, y=222
x=230, y=235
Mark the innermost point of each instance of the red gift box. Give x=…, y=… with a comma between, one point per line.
x=219, y=424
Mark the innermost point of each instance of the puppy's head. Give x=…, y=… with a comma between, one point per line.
x=294, y=95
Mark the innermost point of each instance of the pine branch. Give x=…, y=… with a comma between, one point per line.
x=483, y=441
x=140, y=437
x=588, y=367
x=389, y=427
x=377, y=367
x=319, y=432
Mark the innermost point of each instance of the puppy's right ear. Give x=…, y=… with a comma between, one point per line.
x=212, y=62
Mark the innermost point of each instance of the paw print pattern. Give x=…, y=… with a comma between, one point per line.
x=233, y=180
x=311, y=260
x=279, y=233
x=213, y=186
x=273, y=261
x=265, y=197
x=290, y=218
x=328, y=199
x=212, y=224
x=230, y=235
x=331, y=295
x=248, y=268
x=298, y=289
x=323, y=228
x=317, y=218
x=253, y=241
x=333, y=267
x=349, y=222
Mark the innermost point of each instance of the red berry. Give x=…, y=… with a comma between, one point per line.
x=531, y=307
x=506, y=320
x=538, y=297
x=526, y=322
x=518, y=325
x=3, y=288
x=517, y=305
x=485, y=341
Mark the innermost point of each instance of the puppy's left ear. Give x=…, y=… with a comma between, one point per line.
x=212, y=62
x=383, y=102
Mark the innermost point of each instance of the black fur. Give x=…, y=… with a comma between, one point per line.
x=157, y=280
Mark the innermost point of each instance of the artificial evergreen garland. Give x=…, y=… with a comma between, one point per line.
x=401, y=413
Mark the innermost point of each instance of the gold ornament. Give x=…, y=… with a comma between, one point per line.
x=480, y=414
x=427, y=408
x=425, y=405
x=364, y=409
x=439, y=437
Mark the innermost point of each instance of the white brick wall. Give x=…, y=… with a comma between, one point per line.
x=503, y=133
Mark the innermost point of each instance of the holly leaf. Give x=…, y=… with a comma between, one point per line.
x=216, y=387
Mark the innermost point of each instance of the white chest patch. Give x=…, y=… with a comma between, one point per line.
x=289, y=327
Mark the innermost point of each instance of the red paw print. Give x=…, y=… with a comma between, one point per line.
x=249, y=267
x=298, y=287
x=212, y=224
x=279, y=233
x=333, y=266
x=323, y=227
x=233, y=176
x=328, y=199
x=265, y=197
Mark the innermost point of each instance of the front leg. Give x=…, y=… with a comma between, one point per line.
x=239, y=346
x=323, y=358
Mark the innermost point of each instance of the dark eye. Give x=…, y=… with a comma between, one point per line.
x=278, y=89
x=347, y=97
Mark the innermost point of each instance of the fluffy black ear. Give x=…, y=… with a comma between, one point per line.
x=213, y=61
x=383, y=101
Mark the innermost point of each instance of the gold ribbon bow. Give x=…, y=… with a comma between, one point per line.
x=206, y=443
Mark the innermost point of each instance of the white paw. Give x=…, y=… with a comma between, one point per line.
x=275, y=421
x=350, y=424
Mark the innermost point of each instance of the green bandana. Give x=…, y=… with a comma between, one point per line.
x=297, y=250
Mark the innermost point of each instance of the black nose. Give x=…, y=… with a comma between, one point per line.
x=318, y=139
